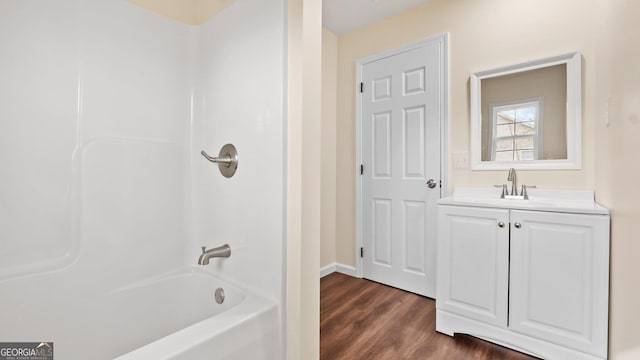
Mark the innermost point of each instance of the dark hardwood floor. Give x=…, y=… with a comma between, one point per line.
x=362, y=319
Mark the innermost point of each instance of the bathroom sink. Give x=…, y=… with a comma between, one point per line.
x=581, y=201
x=513, y=202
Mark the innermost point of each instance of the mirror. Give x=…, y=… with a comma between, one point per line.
x=527, y=116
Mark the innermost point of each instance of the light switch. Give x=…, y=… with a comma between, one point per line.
x=460, y=160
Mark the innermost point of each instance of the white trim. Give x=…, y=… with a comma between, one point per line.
x=347, y=270
x=444, y=127
x=444, y=121
x=358, y=227
x=326, y=270
x=336, y=267
x=574, y=115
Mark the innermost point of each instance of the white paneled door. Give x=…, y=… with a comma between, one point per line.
x=402, y=109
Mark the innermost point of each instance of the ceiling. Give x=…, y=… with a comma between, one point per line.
x=342, y=16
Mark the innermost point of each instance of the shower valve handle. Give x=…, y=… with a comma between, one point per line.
x=217, y=160
x=227, y=160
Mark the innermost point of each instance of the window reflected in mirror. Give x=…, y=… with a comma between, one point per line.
x=524, y=115
x=514, y=130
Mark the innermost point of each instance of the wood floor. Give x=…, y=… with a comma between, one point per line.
x=361, y=319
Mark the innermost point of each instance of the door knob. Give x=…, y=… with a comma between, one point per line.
x=501, y=224
x=431, y=183
x=517, y=225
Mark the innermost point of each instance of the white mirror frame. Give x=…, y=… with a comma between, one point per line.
x=574, y=116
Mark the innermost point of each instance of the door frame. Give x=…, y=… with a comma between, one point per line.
x=444, y=126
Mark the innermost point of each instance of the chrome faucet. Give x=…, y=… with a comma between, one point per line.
x=220, y=251
x=512, y=178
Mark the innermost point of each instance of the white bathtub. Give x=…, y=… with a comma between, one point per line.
x=171, y=317
x=189, y=324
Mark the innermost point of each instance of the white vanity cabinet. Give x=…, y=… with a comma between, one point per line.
x=533, y=280
x=474, y=279
x=560, y=278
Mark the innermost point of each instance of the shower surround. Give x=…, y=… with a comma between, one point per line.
x=105, y=108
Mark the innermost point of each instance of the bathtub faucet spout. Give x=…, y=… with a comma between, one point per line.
x=220, y=251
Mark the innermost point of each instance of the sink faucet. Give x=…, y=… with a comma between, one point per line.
x=512, y=178
x=220, y=251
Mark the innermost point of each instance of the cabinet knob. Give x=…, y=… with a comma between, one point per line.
x=501, y=224
x=517, y=225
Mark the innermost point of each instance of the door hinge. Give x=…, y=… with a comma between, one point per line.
x=361, y=87
x=361, y=252
x=361, y=169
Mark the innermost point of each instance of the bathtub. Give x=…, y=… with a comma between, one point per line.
x=174, y=316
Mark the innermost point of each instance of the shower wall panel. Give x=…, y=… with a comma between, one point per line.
x=239, y=99
x=104, y=109
x=94, y=119
x=38, y=117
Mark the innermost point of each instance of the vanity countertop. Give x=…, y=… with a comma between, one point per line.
x=565, y=201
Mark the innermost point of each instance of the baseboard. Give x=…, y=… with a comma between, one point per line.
x=336, y=267
x=346, y=269
x=331, y=268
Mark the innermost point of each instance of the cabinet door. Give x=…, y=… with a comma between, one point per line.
x=473, y=263
x=559, y=278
